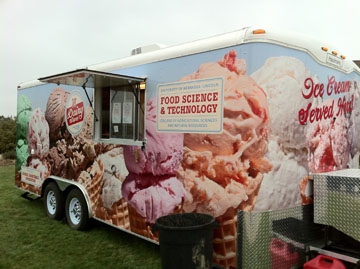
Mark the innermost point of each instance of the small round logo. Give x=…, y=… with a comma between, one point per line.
x=74, y=113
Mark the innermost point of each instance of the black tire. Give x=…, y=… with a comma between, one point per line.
x=53, y=201
x=76, y=210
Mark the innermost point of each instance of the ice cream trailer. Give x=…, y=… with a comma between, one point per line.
x=257, y=128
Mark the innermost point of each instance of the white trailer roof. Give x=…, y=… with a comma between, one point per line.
x=321, y=52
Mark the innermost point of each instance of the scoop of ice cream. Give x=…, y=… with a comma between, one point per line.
x=21, y=154
x=354, y=128
x=153, y=196
x=245, y=121
x=111, y=191
x=55, y=112
x=115, y=173
x=234, y=160
x=23, y=103
x=114, y=164
x=228, y=67
x=87, y=130
x=38, y=135
x=83, y=154
x=58, y=159
x=328, y=141
x=69, y=157
x=206, y=196
x=283, y=80
x=306, y=191
x=24, y=109
x=280, y=186
x=151, y=186
x=40, y=165
x=162, y=153
x=87, y=177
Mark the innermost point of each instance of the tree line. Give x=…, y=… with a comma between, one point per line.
x=7, y=137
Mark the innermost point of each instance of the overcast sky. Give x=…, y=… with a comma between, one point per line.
x=45, y=37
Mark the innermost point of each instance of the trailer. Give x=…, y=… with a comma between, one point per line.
x=238, y=126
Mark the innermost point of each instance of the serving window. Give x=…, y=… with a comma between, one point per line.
x=118, y=102
x=122, y=112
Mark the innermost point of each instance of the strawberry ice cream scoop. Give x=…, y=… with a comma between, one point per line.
x=245, y=121
x=328, y=141
x=40, y=165
x=235, y=160
x=229, y=67
x=38, y=134
x=153, y=196
x=163, y=151
x=151, y=186
x=354, y=128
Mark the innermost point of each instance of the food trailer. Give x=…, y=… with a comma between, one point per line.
x=237, y=126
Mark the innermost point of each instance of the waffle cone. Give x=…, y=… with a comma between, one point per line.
x=224, y=240
x=119, y=214
x=30, y=188
x=94, y=189
x=225, y=237
x=101, y=212
x=139, y=225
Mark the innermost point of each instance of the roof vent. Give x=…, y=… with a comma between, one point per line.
x=147, y=48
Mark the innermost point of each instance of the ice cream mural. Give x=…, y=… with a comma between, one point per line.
x=282, y=78
x=50, y=147
x=151, y=188
x=222, y=135
x=223, y=172
x=310, y=133
x=279, y=124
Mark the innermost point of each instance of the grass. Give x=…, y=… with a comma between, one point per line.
x=29, y=239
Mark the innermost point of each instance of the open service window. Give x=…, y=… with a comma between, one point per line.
x=118, y=102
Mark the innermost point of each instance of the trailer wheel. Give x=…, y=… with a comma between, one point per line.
x=76, y=210
x=53, y=201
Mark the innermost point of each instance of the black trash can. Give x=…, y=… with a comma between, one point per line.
x=186, y=240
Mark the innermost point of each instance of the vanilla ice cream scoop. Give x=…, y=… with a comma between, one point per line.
x=283, y=80
x=115, y=173
x=38, y=134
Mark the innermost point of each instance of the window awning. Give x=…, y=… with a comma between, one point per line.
x=90, y=79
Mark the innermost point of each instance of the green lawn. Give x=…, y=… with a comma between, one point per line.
x=29, y=239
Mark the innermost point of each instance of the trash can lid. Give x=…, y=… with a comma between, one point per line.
x=185, y=221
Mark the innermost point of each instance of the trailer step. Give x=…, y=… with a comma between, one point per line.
x=30, y=196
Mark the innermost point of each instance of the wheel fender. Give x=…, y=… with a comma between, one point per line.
x=65, y=184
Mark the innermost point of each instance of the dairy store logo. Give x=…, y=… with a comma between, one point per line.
x=74, y=113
